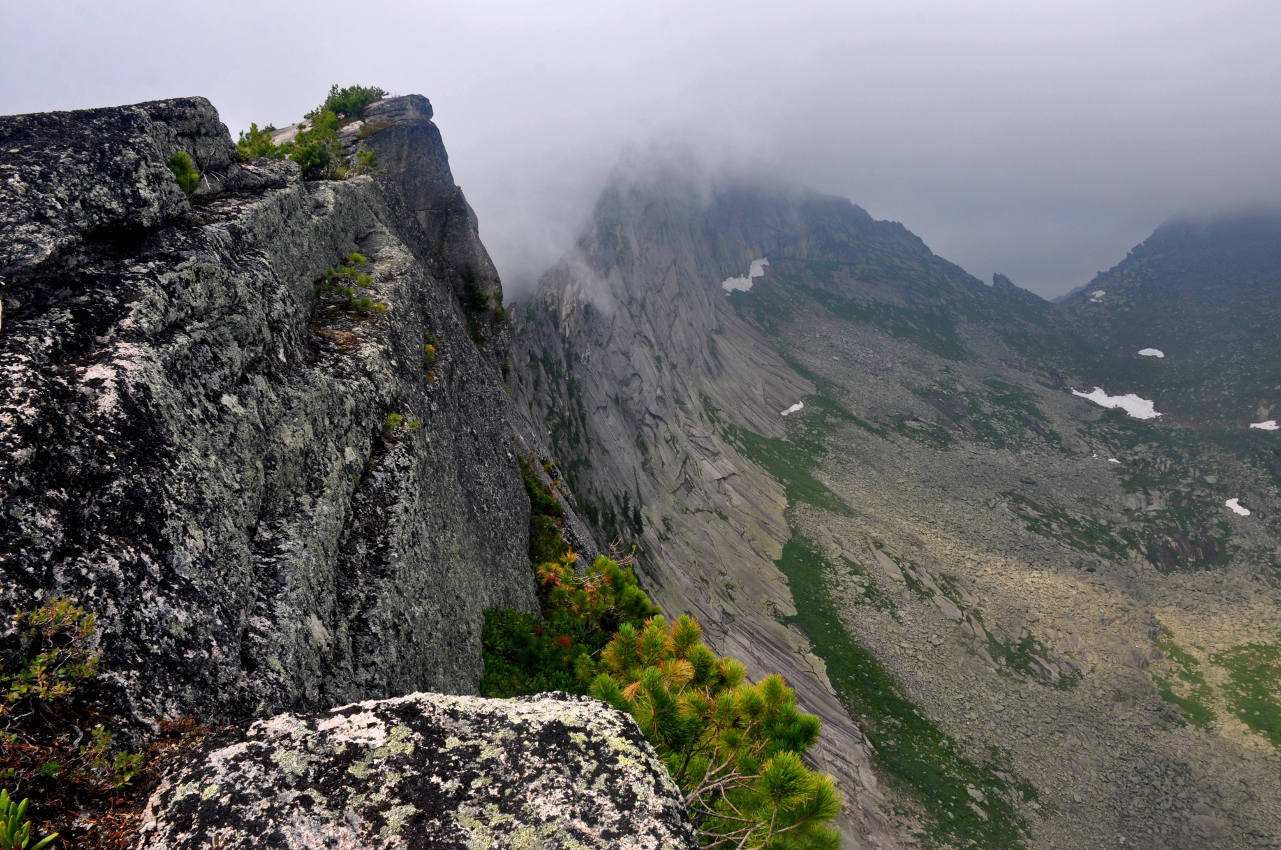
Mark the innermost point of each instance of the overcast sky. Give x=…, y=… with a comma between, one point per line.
x=1040, y=139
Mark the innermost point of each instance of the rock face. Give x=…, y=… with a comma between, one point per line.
x=425, y=771
x=409, y=146
x=200, y=447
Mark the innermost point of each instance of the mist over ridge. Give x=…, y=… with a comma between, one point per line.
x=1037, y=141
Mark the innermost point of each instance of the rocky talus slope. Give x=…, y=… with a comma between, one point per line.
x=269, y=500
x=1026, y=621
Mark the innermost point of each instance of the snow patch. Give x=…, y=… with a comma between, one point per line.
x=743, y=284
x=1237, y=507
x=1113, y=460
x=1139, y=408
x=796, y=408
x=1269, y=425
x=1097, y=295
x=1151, y=352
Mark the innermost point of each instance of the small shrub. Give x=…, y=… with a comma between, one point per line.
x=366, y=162
x=257, y=142
x=317, y=149
x=474, y=299
x=56, y=656
x=371, y=128
x=356, y=258
x=733, y=747
x=185, y=171
x=350, y=101
x=45, y=747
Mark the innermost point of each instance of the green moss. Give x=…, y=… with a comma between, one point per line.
x=1254, y=669
x=1188, y=689
x=793, y=459
x=1020, y=659
x=1081, y=533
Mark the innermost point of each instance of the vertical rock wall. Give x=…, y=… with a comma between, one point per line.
x=197, y=447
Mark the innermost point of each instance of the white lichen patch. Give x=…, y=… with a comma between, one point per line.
x=1139, y=408
x=1151, y=352
x=1237, y=508
x=1268, y=425
x=796, y=408
x=743, y=284
x=362, y=729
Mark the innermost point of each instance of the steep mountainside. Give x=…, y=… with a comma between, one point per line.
x=1207, y=295
x=861, y=467
x=270, y=493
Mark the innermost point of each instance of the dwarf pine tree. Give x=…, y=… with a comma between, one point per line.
x=733, y=747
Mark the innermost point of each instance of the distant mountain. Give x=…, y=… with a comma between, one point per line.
x=1206, y=294
x=1026, y=621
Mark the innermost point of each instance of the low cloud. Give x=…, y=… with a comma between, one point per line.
x=1040, y=140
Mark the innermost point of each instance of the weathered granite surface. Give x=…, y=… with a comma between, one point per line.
x=193, y=441
x=425, y=770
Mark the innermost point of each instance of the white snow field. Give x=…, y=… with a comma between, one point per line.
x=743, y=284
x=1139, y=408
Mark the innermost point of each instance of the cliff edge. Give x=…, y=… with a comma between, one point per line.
x=272, y=497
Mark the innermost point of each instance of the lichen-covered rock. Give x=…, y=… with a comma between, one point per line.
x=195, y=441
x=423, y=771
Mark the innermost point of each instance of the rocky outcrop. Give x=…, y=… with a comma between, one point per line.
x=408, y=145
x=271, y=498
x=425, y=771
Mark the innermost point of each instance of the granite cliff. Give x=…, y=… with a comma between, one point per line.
x=277, y=496
x=199, y=449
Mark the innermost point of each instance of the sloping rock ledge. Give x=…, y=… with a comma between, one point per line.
x=425, y=770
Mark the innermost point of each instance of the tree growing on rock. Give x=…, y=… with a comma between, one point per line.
x=734, y=748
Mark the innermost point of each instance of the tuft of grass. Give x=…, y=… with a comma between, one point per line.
x=185, y=171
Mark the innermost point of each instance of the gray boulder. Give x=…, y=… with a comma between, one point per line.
x=421, y=771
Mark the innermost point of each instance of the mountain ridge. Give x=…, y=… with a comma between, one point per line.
x=936, y=437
